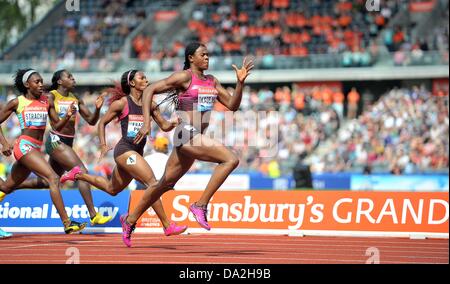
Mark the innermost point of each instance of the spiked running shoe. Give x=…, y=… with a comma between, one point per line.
x=4, y=235
x=127, y=230
x=174, y=230
x=70, y=175
x=200, y=214
x=99, y=219
x=74, y=227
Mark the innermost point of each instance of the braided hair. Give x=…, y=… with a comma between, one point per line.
x=172, y=97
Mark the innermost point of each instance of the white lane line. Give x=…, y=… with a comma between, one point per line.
x=177, y=242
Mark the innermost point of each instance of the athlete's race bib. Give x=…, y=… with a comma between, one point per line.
x=206, y=98
x=135, y=122
x=35, y=116
x=54, y=138
x=190, y=128
x=64, y=108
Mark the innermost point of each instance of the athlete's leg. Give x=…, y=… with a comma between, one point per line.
x=211, y=151
x=141, y=171
x=36, y=163
x=18, y=174
x=38, y=182
x=119, y=181
x=177, y=165
x=4, y=235
x=33, y=183
x=63, y=158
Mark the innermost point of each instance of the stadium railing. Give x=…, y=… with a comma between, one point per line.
x=267, y=62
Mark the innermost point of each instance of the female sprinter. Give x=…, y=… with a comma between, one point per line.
x=59, y=143
x=32, y=109
x=196, y=93
x=6, y=150
x=127, y=107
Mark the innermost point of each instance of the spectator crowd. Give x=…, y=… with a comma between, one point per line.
x=405, y=131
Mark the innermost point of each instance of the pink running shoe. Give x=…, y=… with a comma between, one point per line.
x=200, y=215
x=127, y=230
x=70, y=175
x=174, y=230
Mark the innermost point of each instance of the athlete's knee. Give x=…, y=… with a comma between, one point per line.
x=164, y=185
x=6, y=186
x=113, y=193
x=111, y=190
x=233, y=161
x=52, y=180
x=168, y=184
x=150, y=183
x=5, y=189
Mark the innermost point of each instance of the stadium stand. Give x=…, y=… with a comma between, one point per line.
x=405, y=131
x=298, y=34
x=282, y=34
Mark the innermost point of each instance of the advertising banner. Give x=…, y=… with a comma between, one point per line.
x=400, y=183
x=332, y=181
x=33, y=210
x=329, y=212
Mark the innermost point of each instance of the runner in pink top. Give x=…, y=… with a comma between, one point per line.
x=202, y=93
x=195, y=94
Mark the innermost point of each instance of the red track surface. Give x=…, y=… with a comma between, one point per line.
x=215, y=249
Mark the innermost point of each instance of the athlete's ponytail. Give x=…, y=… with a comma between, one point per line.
x=123, y=88
x=170, y=101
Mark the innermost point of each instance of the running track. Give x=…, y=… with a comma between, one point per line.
x=218, y=249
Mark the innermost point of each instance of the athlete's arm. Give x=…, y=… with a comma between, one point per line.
x=90, y=117
x=233, y=102
x=8, y=109
x=57, y=123
x=5, y=112
x=178, y=80
x=114, y=111
x=6, y=147
x=164, y=124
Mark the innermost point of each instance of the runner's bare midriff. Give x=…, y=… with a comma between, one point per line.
x=34, y=133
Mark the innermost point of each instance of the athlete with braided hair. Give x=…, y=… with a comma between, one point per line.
x=59, y=144
x=33, y=108
x=126, y=105
x=195, y=93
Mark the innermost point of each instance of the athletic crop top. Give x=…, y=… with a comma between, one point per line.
x=62, y=104
x=32, y=114
x=201, y=93
x=131, y=121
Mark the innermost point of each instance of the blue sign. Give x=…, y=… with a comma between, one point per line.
x=403, y=182
x=331, y=181
x=259, y=181
x=34, y=208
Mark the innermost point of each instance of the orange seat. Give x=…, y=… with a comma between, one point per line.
x=281, y=4
x=243, y=18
